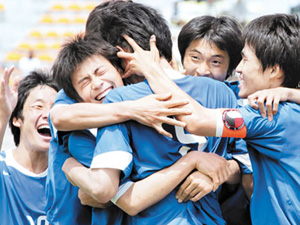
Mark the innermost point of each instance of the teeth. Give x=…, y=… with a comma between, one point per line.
x=44, y=127
x=100, y=97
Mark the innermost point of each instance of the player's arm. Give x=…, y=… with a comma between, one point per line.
x=191, y=188
x=151, y=111
x=8, y=100
x=267, y=101
x=202, y=121
x=144, y=193
x=100, y=184
x=86, y=199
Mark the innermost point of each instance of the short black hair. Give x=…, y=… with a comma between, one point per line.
x=34, y=79
x=275, y=40
x=224, y=31
x=110, y=20
x=73, y=53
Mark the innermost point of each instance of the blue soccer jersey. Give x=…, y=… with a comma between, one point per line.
x=63, y=204
x=22, y=193
x=275, y=155
x=81, y=146
x=138, y=151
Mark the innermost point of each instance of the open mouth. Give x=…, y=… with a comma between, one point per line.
x=102, y=95
x=44, y=131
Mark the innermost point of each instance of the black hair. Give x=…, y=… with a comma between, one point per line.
x=73, y=53
x=110, y=20
x=224, y=32
x=275, y=40
x=34, y=79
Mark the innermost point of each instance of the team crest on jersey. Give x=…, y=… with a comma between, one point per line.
x=232, y=119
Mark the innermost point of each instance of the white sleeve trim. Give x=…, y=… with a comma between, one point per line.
x=94, y=131
x=244, y=159
x=219, y=127
x=113, y=160
x=122, y=189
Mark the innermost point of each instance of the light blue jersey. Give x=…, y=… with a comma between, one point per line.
x=275, y=155
x=22, y=193
x=138, y=151
x=63, y=204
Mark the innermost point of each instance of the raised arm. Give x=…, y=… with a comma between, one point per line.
x=152, y=111
x=8, y=100
x=202, y=121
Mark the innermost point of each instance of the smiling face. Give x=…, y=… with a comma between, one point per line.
x=252, y=78
x=94, y=78
x=34, y=126
x=204, y=58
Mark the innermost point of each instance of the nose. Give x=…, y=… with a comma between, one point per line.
x=45, y=112
x=96, y=82
x=203, y=70
x=239, y=68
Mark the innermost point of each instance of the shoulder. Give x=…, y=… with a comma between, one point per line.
x=62, y=98
x=128, y=92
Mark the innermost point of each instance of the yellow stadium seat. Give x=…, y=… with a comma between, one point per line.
x=45, y=57
x=1, y=7
x=52, y=34
x=47, y=19
x=56, y=45
x=74, y=7
x=89, y=7
x=13, y=56
x=79, y=20
x=68, y=34
x=58, y=7
x=63, y=20
x=40, y=46
x=24, y=46
x=35, y=34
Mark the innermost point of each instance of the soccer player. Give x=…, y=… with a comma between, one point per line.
x=211, y=47
x=93, y=70
x=24, y=169
x=152, y=151
x=269, y=60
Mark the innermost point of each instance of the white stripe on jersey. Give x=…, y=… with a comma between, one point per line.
x=114, y=160
x=245, y=159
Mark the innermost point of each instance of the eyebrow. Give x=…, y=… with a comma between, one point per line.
x=217, y=55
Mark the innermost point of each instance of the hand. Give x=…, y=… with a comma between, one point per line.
x=86, y=199
x=196, y=186
x=8, y=95
x=140, y=62
x=153, y=111
x=212, y=165
x=267, y=97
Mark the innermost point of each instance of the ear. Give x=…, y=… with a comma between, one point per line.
x=276, y=72
x=17, y=122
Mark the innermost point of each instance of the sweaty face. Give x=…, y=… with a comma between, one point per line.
x=252, y=78
x=204, y=58
x=34, y=127
x=94, y=78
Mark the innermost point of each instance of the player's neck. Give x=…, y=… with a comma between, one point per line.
x=34, y=161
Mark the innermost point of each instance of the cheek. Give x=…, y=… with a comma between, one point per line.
x=219, y=74
x=190, y=68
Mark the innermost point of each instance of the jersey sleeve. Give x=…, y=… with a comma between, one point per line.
x=261, y=132
x=113, y=148
x=238, y=148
